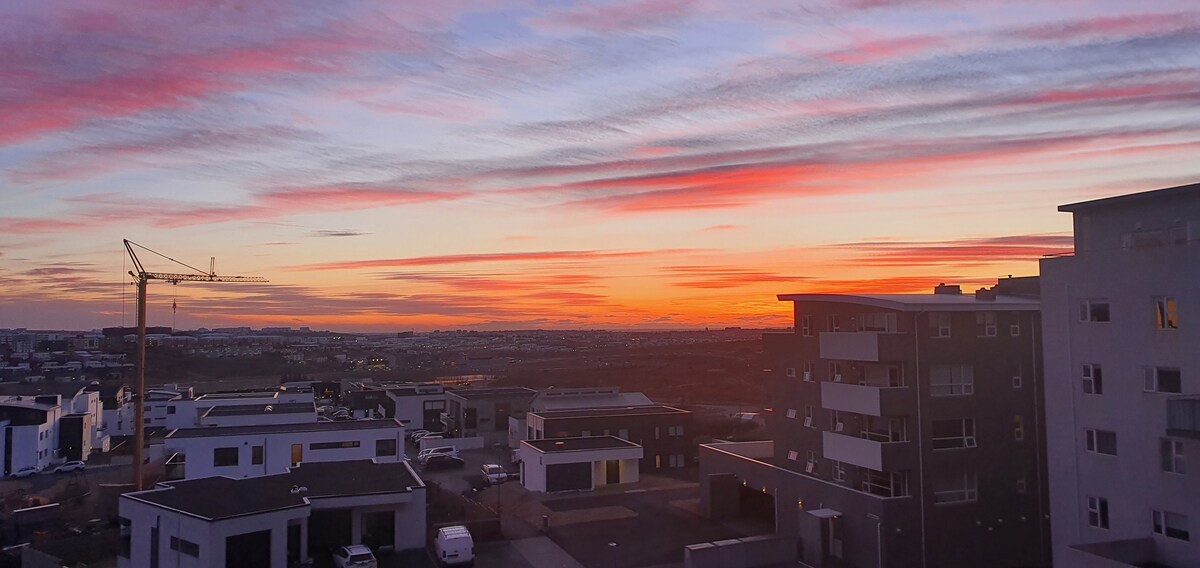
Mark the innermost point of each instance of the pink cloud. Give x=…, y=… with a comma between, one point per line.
x=622, y=16
x=539, y=256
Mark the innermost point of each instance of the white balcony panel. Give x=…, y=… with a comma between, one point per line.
x=848, y=449
x=846, y=397
x=850, y=345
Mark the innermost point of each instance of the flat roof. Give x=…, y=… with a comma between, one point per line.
x=493, y=392
x=236, y=395
x=1192, y=189
x=552, y=445
x=325, y=425
x=923, y=302
x=215, y=498
x=623, y=411
x=249, y=409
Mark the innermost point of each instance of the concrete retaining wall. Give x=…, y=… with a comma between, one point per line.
x=741, y=552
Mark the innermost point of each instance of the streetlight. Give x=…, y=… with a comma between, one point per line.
x=612, y=555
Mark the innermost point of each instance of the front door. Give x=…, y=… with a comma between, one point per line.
x=614, y=472
x=297, y=454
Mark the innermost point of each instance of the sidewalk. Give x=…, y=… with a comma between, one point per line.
x=541, y=552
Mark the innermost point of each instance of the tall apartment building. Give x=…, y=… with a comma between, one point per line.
x=1122, y=350
x=906, y=432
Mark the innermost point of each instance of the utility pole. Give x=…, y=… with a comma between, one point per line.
x=142, y=278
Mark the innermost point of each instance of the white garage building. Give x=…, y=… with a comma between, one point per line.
x=575, y=464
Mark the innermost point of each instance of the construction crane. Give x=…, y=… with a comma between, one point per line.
x=141, y=278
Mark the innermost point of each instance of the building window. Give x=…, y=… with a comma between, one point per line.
x=806, y=326
x=951, y=380
x=171, y=409
x=791, y=413
x=674, y=431
x=791, y=372
x=225, y=457
x=877, y=322
x=1022, y=485
x=1093, y=382
x=953, y=434
x=808, y=416
x=256, y=455
x=1173, y=459
x=985, y=324
x=956, y=488
x=658, y=461
x=1171, y=525
x=1014, y=329
x=676, y=460
x=657, y=433
x=839, y=470
x=885, y=484
x=1016, y=381
x=334, y=445
x=793, y=455
x=1101, y=442
x=1018, y=428
x=941, y=324
x=808, y=371
x=1098, y=512
x=185, y=547
x=1093, y=310
x=125, y=532
x=810, y=465
x=835, y=371
x=836, y=422
x=835, y=323
x=1166, y=313
x=1162, y=379
x=386, y=447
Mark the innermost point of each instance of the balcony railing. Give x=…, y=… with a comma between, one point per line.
x=866, y=399
x=859, y=451
x=869, y=346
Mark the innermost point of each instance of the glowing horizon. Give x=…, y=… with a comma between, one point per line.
x=656, y=164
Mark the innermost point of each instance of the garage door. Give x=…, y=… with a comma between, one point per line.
x=569, y=476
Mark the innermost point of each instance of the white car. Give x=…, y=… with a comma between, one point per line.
x=70, y=466
x=424, y=455
x=415, y=433
x=493, y=473
x=354, y=556
x=25, y=471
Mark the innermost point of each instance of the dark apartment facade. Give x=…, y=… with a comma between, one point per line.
x=484, y=411
x=664, y=432
x=906, y=431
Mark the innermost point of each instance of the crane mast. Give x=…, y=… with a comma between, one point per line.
x=141, y=278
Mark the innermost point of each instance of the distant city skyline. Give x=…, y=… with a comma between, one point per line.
x=633, y=164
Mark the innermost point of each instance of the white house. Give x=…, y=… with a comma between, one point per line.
x=584, y=463
x=572, y=399
x=190, y=412
x=30, y=431
x=273, y=521
x=255, y=450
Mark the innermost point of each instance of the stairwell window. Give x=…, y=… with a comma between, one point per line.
x=1163, y=379
x=1092, y=379
x=951, y=380
x=1101, y=441
x=1098, y=512
x=1166, y=313
x=1094, y=309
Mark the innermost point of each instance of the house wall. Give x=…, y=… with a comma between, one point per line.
x=651, y=431
x=277, y=450
x=534, y=462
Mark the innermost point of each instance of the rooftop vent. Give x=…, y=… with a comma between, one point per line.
x=948, y=289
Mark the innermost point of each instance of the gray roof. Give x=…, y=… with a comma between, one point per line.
x=923, y=302
x=250, y=409
x=1191, y=191
x=551, y=445
x=493, y=392
x=571, y=401
x=626, y=411
x=324, y=425
x=215, y=498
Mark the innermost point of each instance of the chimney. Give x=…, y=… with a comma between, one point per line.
x=950, y=290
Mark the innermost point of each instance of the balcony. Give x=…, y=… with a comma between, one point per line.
x=1183, y=417
x=869, y=346
x=865, y=399
x=879, y=456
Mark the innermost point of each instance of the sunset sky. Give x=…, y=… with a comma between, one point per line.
x=444, y=164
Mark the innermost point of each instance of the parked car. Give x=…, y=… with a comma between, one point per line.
x=440, y=450
x=431, y=437
x=354, y=556
x=440, y=462
x=412, y=436
x=70, y=466
x=454, y=546
x=418, y=437
x=493, y=473
x=25, y=471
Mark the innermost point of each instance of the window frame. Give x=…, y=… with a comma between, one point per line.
x=226, y=452
x=806, y=326
x=1090, y=310
x=1153, y=380
x=941, y=322
x=969, y=493
x=1092, y=441
x=1092, y=378
x=962, y=381
x=1166, y=313
x=1097, y=512
x=1173, y=458
x=1162, y=525
x=965, y=440
x=986, y=326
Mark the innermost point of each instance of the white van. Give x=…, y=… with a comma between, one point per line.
x=454, y=546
